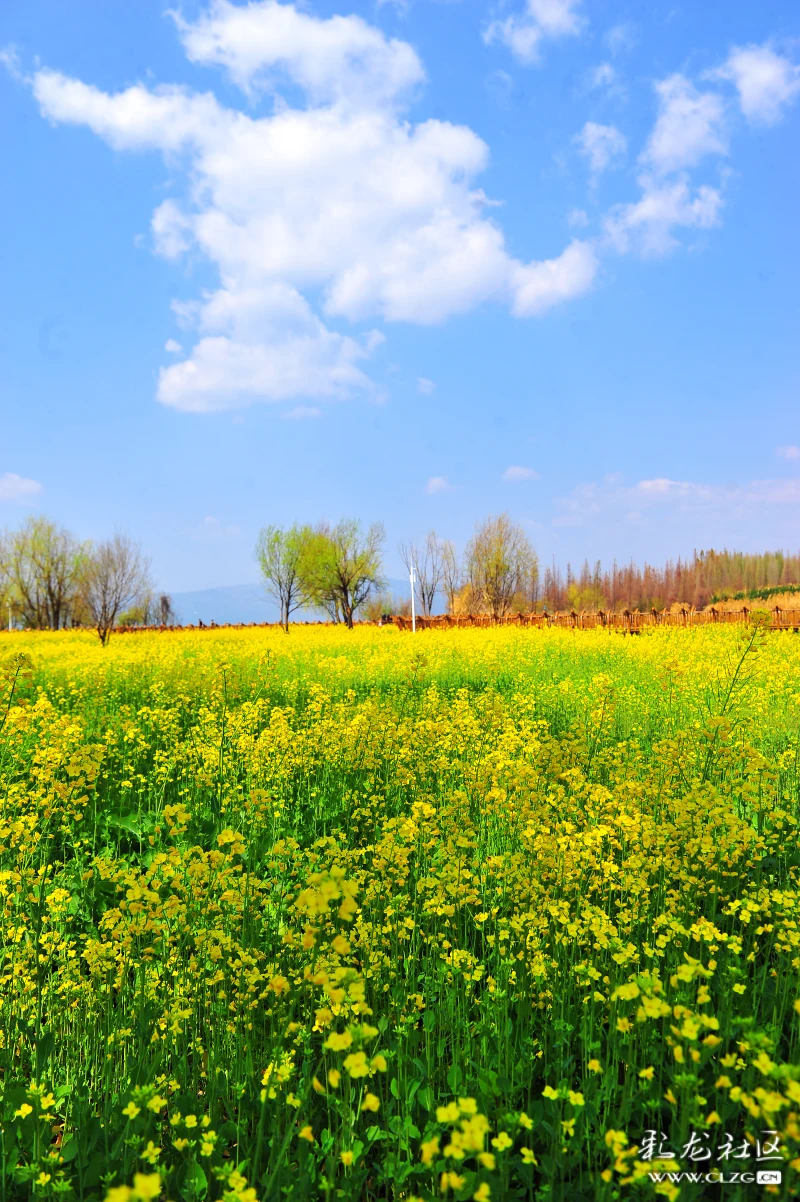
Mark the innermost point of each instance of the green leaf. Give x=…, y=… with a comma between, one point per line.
x=192, y=1182
x=454, y=1078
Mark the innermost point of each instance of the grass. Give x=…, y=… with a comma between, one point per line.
x=358, y=915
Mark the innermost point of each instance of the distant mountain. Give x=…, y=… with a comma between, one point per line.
x=241, y=603
x=232, y=603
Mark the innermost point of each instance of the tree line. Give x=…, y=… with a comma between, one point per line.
x=705, y=577
x=339, y=570
x=50, y=580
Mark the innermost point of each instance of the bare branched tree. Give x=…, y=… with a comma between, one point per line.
x=451, y=575
x=428, y=564
x=499, y=561
x=166, y=612
x=115, y=575
x=280, y=555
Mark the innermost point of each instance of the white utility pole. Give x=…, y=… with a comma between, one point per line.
x=413, y=580
x=9, y=617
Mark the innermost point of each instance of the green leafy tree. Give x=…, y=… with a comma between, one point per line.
x=280, y=555
x=341, y=567
x=42, y=565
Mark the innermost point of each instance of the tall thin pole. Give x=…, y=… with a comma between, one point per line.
x=9, y=616
x=412, y=581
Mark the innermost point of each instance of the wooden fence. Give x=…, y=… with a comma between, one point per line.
x=627, y=622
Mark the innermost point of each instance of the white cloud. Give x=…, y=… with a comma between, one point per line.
x=500, y=87
x=789, y=452
x=425, y=387
x=303, y=412
x=335, y=195
x=577, y=219
x=690, y=125
x=601, y=76
x=211, y=529
x=10, y=60
x=620, y=38
x=437, y=484
x=540, y=19
x=18, y=488
x=262, y=344
x=171, y=230
x=539, y=286
x=172, y=347
x=516, y=474
x=647, y=224
x=601, y=145
x=766, y=82
x=342, y=59
x=635, y=502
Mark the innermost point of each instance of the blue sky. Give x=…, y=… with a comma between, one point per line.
x=413, y=262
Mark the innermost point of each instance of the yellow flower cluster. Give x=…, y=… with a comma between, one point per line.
x=457, y=915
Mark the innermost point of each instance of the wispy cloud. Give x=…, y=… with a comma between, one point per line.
x=437, y=484
x=211, y=529
x=524, y=32
x=633, y=502
x=425, y=387
x=601, y=145
x=789, y=452
x=604, y=77
x=620, y=37
x=10, y=60
x=172, y=347
x=516, y=474
x=577, y=219
x=18, y=488
x=601, y=76
x=303, y=412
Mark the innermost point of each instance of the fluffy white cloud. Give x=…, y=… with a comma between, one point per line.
x=167, y=118
x=690, y=125
x=339, y=195
x=766, y=82
x=172, y=347
x=341, y=59
x=263, y=343
x=425, y=387
x=790, y=452
x=540, y=286
x=516, y=474
x=18, y=488
x=437, y=484
x=601, y=145
x=647, y=224
x=523, y=33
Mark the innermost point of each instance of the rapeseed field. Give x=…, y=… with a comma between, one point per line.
x=495, y=914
